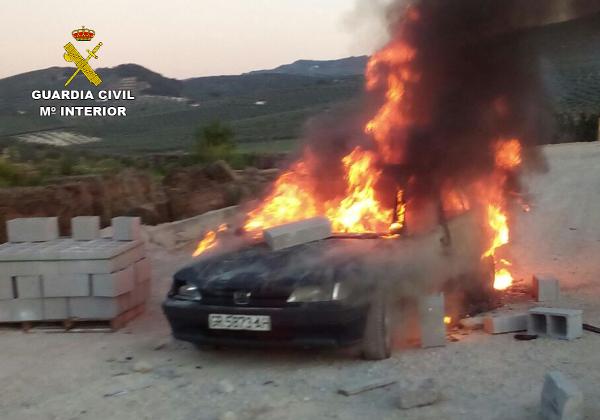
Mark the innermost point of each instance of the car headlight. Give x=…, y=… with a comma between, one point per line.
x=319, y=293
x=188, y=292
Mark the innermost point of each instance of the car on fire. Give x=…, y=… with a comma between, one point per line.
x=342, y=291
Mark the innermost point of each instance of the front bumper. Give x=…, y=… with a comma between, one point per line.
x=323, y=324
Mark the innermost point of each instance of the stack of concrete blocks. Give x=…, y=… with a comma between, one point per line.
x=431, y=318
x=563, y=324
x=85, y=277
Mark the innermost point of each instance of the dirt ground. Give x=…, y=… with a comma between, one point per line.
x=93, y=376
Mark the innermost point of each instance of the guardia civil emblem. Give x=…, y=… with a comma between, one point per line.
x=72, y=55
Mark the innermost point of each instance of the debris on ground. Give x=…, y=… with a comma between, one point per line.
x=426, y=393
x=142, y=367
x=591, y=328
x=525, y=337
x=354, y=389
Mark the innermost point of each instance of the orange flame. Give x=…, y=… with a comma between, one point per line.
x=507, y=158
x=290, y=200
x=359, y=211
x=209, y=241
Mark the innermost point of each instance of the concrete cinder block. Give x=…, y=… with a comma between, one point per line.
x=20, y=310
x=114, y=284
x=6, y=286
x=66, y=285
x=98, y=308
x=505, y=323
x=35, y=229
x=143, y=271
x=126, y=229
x=55, y=309
x=431, y=318
x=297, y=233
x=561, y=398
x=29, y=287
x=545, y=288
x=564, y=324
x=85, y=228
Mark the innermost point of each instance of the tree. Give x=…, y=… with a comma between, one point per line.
x=214, y=142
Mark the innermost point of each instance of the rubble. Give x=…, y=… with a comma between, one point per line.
x=297, y=233
x=564, y=324
x=545, y=288
x=561, y=398
x=426, y=393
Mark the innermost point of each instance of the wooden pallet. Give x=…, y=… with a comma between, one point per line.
x=74, y=325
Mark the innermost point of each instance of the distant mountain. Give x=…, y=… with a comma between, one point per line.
x=351, y=66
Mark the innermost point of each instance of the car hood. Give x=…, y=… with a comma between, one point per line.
x=278, y=272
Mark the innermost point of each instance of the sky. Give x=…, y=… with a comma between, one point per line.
x=183, y=38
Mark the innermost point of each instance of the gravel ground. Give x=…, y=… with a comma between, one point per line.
x=140, y=373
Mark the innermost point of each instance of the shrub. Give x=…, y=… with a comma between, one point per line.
x=214, y=142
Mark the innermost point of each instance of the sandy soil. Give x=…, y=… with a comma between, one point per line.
x=91, y=376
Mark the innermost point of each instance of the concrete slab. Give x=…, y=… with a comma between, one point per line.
x=126, y=229
x=563, y=324
x=34, y=229
x=561, y=398
x=297, y=233
x=85, y=228
x=505, y=323
x=431, y=318
x=545, y=288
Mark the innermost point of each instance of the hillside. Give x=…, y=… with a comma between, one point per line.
x=268, y=108
x=351, y=66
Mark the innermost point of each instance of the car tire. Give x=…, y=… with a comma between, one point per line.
x=377, y=339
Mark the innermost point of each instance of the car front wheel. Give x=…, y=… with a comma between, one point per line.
x=377, y=339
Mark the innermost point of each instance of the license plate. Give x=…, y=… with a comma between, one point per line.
x=239, y=322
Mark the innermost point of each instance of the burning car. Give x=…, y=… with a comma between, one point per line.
x=418, y=184
x=340, y=291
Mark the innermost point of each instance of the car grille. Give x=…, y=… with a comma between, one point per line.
x=232, y=298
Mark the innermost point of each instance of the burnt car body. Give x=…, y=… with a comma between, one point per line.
x=335, y=292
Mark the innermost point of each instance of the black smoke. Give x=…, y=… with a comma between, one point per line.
x=478, y=82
